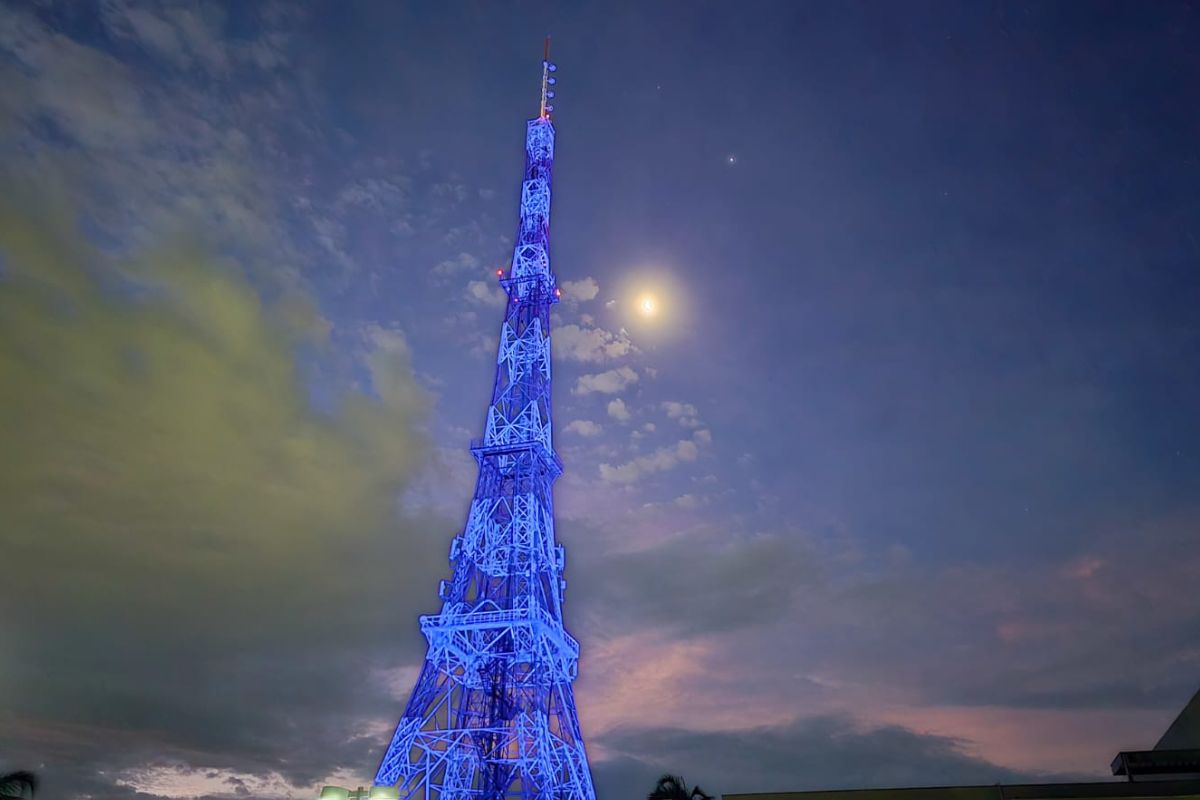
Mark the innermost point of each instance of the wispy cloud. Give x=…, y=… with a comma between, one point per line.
x=485, y=294
x=661, y=460
x=609, y=382
x=589, y=344
x=580, y=291
x=584, y=427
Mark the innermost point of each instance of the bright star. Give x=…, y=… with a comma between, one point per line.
x=647, y=305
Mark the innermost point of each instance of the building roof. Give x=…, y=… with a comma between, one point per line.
x=1156, y=762
x=1184, y=732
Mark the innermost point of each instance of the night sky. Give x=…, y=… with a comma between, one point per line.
x=901, y=486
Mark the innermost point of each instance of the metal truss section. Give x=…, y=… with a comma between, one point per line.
x=492, y=715
x=531, y=257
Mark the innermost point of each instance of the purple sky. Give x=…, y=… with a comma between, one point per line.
x=900, y=490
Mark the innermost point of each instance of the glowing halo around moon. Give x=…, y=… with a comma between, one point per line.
x=651, y=304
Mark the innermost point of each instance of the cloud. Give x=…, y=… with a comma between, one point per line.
x=661, y=460
x=185, y=36
x=618, y=411
x=87, y=94
x=684, y=413
x=484, y=345
x=486, y=293
x=457, y=265
x=579, y=291
x=819, y=752
x=373, y=193
x=187, y=522
x=1032, y=679
x=179, y=781
x=1084, y=568
x=584, y=427
x=136, y=148
x=458, y=192
x=610, y=382
x=445, y=479
x=695, y=582
x=589, y=345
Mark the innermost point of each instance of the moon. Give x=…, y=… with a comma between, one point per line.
x=652, y=303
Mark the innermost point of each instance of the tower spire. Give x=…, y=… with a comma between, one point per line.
x=548, y=81
x=492, y=715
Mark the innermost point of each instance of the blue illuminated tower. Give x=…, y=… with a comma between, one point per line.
x=492, y=714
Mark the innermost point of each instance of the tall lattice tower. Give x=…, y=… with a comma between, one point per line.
x=493, y=712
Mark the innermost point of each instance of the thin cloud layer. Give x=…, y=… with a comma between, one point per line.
x=199, y=547
x=822, y=752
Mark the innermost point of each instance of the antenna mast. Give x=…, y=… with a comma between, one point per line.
x=548, y=80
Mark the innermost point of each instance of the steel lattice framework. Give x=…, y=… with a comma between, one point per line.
x=493, y=712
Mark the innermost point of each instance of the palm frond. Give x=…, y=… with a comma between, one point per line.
x=20, y=785
x=669, y=787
